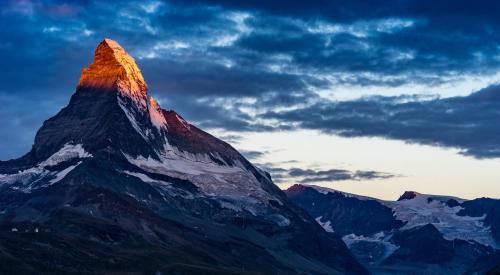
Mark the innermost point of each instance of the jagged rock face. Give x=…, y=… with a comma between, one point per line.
x=415, y=244
x=95, y=119
x=407, y=195
x=424, y=249
x=114, y=69
x=344, y=214
x=484, y=207
x=107, y=114
x=113, y=172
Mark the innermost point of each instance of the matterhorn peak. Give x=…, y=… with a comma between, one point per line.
x=114, y=69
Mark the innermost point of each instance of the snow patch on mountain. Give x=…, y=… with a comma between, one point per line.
x=25, y=180
x=145, y=178
x=136, y=95
x=326, y=225
x=131, y=118
x=25, y=176
x=325, y=190
x=63, y=173
x=157, y=119
x=141, y=176
x=68, y=152
x=175, y=165
x=379, y=238
x=425, y=209
x=164, y=188
x=280, y=220
x=234, y=184
x=172, y=153
x=431, y=209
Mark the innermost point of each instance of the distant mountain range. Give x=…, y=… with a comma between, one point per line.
x=417, y=234
x=116, y=184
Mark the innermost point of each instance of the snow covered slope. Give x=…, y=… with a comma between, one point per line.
x=47, y=172
x=391, y=235
x=436, y=210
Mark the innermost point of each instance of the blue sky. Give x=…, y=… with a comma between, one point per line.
x=419, y=73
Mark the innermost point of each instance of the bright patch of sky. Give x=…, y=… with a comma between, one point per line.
x=425, y=169
x=362, y=28
x=458, y=86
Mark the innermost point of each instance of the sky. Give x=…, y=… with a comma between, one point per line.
x=370, y=98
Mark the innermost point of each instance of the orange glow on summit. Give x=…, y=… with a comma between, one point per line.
x=114, y=68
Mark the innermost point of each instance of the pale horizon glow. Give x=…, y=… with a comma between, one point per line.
x=421, y=168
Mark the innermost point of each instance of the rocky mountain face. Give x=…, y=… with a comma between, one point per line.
x=344, y=214
x=415, y=234
x=115, y=183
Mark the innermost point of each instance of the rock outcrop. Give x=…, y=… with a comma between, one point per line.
x=114, y=68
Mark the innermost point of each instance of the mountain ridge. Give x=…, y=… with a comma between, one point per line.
x=416, y=233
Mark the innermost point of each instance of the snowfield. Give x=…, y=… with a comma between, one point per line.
x=426, y=209
x=66, y=153
x=238, y=187
x=26, y=180
x=326, y=225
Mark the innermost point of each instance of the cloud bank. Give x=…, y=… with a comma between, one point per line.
x=264, y=66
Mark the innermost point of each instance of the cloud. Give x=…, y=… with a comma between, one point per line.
x=469, y=123
x=386, y=38
x=231, y=138
x=299, y=175
x=311, y=176
x=253, y=155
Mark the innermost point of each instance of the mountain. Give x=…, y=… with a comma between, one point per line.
x=416, y=234
x=114, y=183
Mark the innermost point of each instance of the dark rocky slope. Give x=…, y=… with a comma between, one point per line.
x=346, y=214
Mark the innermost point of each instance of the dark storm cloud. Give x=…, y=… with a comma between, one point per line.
x=204, y=78
x=310, y=175
x=252, y=155
x=207, y=114
x=469, y=123
x=215, y=60
x=299, y=175
x=442, y=36
x=233, y=139
x=447, y=13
